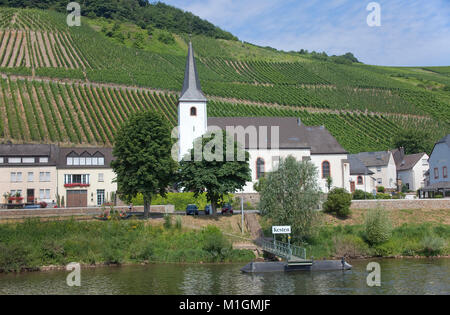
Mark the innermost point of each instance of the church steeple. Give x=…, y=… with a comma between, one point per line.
x=191, y=91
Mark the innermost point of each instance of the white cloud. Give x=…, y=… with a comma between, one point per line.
x=412, y=32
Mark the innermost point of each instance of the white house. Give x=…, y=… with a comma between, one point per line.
x=382, y=165
x=411, y=169
x=361, y=177
x=439, y=162
x=267, y=139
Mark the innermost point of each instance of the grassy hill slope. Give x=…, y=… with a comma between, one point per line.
x=77, y=84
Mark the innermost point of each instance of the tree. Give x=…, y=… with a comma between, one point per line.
x=207, y=169
x=329, y=182
x=414, y=141
x=291, y=196
x=144, y=164
x=339, y=202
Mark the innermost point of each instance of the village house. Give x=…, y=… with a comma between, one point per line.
x=85, y=176
x=439, y=164
x=361, y=177
x=267, y=139
x=28, y=173
x=411, y=169
x=382, y=165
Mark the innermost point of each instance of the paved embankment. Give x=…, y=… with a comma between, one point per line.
x=402, y=204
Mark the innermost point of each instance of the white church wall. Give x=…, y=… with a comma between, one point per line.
x=190, y=127
x=339, y=171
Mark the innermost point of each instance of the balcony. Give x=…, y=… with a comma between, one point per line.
x=76, y=185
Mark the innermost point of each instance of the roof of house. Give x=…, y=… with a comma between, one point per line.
x=29, y=150
x=357, y=167
x=192, y=90
x=292, y=134
x=380, y=158
x=84, y=152
x=409, y=161
x=446, y=140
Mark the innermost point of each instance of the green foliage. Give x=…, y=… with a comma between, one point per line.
x=209, y=169
x=259, y=185
x=362, y=195
x=377, y=226
x=414, y=141
x=381, y=189
x=144, y=162
x=33, y=244
x=432, y=245
x=291, y=196
x=338, y=202
x=166, y=38
x=167, y=221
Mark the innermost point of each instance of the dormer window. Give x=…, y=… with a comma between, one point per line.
x=193, y=111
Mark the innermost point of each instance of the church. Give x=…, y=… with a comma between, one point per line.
x=267, y=139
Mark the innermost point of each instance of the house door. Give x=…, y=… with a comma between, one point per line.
x=352, y=187
x=76, y=198
x=30, y=195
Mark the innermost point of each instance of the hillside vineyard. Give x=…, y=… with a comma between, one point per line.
x=73, y=85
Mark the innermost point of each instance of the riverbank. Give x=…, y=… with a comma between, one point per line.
x=33, y=244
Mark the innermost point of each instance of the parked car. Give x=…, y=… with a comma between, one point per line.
x=227, y=209
x=192, y=210
x=32, y=207
x=208, y=210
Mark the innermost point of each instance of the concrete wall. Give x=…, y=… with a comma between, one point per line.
x=402, y=204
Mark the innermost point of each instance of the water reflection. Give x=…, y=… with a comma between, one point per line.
x=397, y=276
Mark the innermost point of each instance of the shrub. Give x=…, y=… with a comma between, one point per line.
x=13, y=258
x=383, y=196
x=361, y=195
x=167, y=221
x=166, y=38
x=381, y=189
x=377, y=226
x=178, y=223
x=432, y=246
x=338, y=201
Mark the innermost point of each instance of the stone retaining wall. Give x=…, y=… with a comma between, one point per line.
x=396, y=204
x=68, y=212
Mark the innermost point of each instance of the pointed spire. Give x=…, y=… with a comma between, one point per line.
x=192, y=90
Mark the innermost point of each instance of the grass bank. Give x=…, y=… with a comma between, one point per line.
x=34, y=244
x=414, y=233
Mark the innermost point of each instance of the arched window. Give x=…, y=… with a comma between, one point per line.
x=360, y=180
x=326, y=169
x=260, y=168
x=193, y=111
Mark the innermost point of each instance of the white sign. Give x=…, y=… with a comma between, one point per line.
x=281, y=229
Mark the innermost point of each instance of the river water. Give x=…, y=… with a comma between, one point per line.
x=398, y=276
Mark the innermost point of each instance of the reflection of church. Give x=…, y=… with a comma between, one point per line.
x=285, y=136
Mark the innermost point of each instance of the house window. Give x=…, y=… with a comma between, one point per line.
x=76, y=161
x=379, y=169
x=444, y=172
x=43, y=160
x=379, y=181
x=16, y=177
x=44, y=194
x=326, y=169
x=101, y=161
x=30, y=176
x=69, y=161
x=193, y=111
x=260, y=168
x=14, y=160
x=2, y=160
x=360, y=180
x=44, y=176
x=101, y=177
x=88, y=161
x=436, y=173
x=82, y=161
x=425, y=162
x=28, y=160
x=407, y=186
x=76, y=179
x=100, y=197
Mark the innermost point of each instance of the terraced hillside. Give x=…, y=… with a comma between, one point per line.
x=76, y=85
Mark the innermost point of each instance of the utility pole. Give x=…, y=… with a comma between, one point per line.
x=242, y=213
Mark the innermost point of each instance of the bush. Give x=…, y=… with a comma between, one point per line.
x=339, y=201
x=13, y=258
x=167, y=221
x=432, y=246
x=383, y=196
x=178, y=223
x=361, y=195
x=166, y=38
x=381, y=189
x=377, y=226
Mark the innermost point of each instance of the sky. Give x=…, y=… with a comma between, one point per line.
x=412, y=32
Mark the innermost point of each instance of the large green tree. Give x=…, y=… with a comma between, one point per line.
x=414, y=141
x=290, y=196
x=217, y=165
x=144, y=164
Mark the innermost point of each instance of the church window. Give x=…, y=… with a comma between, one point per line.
x=193, y=111
x=326, y=169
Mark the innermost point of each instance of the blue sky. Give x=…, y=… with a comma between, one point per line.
x=412, y=33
